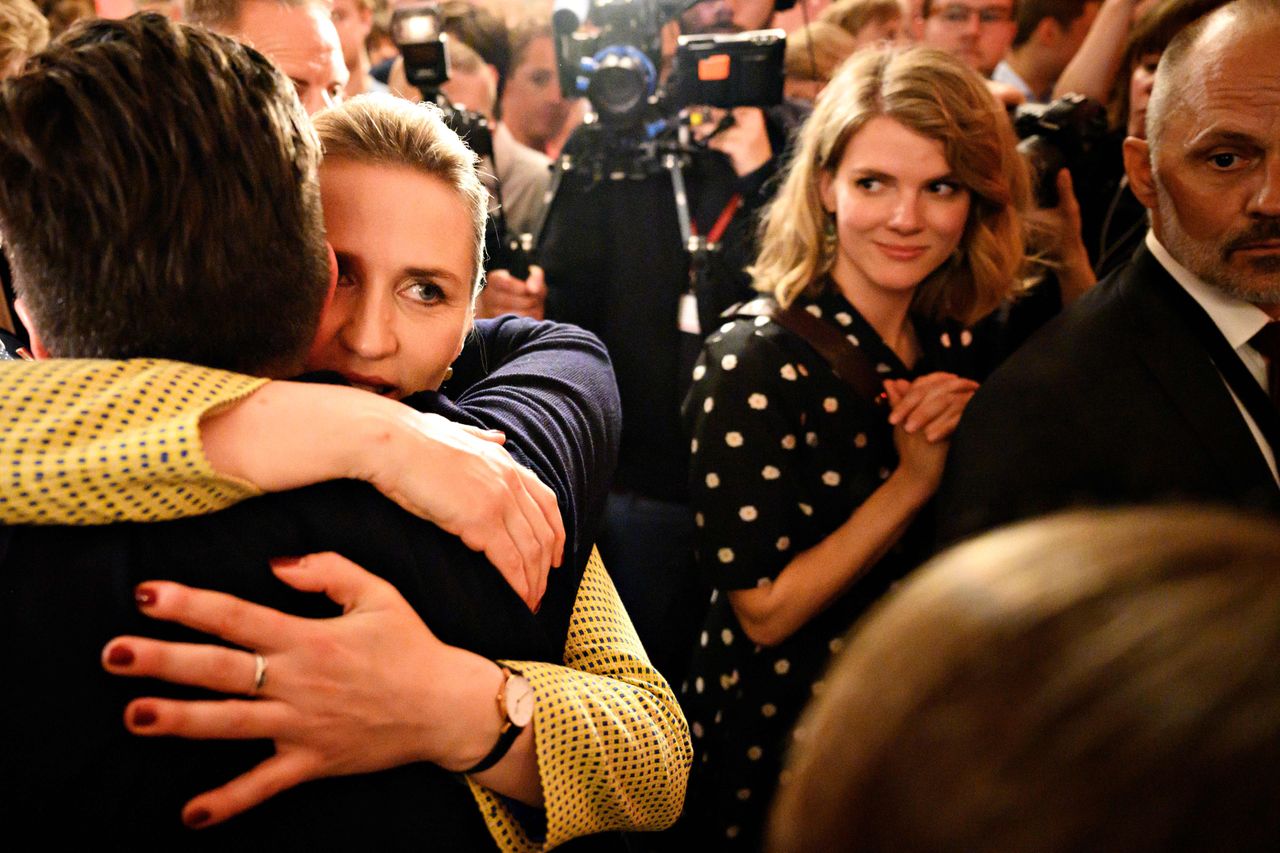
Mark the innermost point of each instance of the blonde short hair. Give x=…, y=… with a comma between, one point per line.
x=23, y=32
x=381, y=129
x=939, y=97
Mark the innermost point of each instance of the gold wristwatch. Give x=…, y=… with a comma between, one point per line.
x=515, y=708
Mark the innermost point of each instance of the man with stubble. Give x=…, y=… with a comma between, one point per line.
x=1161, y=384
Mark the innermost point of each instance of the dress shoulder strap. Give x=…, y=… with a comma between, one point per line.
x=847, y=362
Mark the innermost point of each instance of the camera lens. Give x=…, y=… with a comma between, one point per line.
x=622, y=80
x=618, y=88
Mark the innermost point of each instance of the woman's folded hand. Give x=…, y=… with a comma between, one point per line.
x=932, y=403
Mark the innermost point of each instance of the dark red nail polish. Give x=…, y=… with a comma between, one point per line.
x=120, y=656
x=196, y=818
x=143, y=717
x=145, y=596
x=284, y=562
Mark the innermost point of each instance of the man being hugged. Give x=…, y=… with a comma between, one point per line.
x=159, y=229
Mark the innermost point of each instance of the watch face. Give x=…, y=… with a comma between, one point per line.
x=519, y=696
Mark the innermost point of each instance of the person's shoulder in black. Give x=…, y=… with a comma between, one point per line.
x=1021, y=447
x=1113, y=402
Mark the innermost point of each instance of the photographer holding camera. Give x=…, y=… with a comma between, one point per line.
x=461, y=57
x=616, y=253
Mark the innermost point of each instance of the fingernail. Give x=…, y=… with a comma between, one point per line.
x=285, y=562
x=144, y=596
x=120, y=656
x=143, y=717
x=196, y=818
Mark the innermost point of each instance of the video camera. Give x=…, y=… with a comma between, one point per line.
x=609, y=51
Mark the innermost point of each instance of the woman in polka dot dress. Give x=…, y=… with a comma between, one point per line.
x=898, y=224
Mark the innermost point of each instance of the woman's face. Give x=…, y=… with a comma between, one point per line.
x=405, y=249
x=899, y=213
x=1141, y=80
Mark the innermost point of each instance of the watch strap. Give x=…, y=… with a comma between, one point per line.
x=506, y=735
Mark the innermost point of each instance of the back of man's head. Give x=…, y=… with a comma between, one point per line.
x=1100, y=681
x=855, y=15
x=160, y=198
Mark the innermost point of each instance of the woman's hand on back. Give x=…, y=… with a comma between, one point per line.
x=463, y=480
x=365, y=691
x=287, y=435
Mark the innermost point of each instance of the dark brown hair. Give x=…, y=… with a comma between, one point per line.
x=160, y=198
x=1151, y=34
x=524, y=34
x=1032, y=12
x=482, y=30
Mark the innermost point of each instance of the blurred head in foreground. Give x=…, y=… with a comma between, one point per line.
x=1093, y=681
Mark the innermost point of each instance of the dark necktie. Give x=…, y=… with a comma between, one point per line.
x=1267, y=342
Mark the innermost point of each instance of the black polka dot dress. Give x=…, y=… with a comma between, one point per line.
x=782, y=453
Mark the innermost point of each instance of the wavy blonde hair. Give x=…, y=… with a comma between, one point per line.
x=936, y=96
x=381, y=129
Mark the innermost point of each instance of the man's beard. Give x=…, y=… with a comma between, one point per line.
x=1212, y=261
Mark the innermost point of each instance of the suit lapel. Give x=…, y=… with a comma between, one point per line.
x=1164, y=342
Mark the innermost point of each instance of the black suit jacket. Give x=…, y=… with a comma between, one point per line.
x=70, y=769
x=1115, y=402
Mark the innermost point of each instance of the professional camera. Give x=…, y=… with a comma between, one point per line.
x=614, y=63
x=609, y=50
x=418, y=36
x=1058, y=135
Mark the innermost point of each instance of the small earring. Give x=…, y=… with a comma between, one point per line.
x=829, y=238
x=448, y=373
